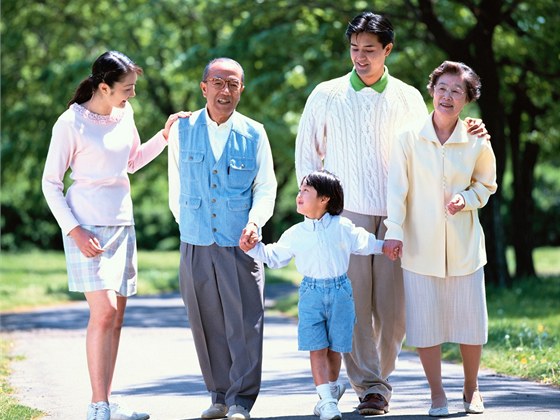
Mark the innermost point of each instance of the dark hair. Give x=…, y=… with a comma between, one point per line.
x=472, y=81
x=217, y=60
x=110, y=67
x=372, y=23
x=327, y=185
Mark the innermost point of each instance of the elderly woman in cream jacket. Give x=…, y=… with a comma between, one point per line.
x=439, y=176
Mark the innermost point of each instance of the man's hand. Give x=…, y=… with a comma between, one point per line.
x=249, y=237
x=476, y=127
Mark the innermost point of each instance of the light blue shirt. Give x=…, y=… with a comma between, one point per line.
x=321, y=248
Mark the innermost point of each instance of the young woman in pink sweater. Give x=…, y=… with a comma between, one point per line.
x=96, y=138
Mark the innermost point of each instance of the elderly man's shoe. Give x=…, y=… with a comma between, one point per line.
x=373, y=404
x=215, y=411
x=238, y=412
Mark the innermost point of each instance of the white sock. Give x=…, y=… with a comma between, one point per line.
x=324, y=391
x=334, y=387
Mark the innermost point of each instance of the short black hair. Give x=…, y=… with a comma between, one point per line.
x=372, y=23
x=327, y=185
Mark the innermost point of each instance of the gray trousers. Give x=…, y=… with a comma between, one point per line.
x=223, y=290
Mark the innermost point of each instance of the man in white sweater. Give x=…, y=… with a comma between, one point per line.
x=347, y=127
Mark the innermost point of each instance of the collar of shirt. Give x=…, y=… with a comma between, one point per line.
x=218, y=134
x=318, y=224
x=378, y=86
x=459, y=134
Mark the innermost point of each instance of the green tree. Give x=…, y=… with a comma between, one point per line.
x=506, y=41
x=286, y=48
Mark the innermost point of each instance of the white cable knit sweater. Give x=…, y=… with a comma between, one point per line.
x=350, y=134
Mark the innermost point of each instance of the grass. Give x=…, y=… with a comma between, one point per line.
x=524, y=322
x=10, y=409
x=524, y=331
x=30, y=280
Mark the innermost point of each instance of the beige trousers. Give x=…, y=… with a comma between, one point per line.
x=377, y=284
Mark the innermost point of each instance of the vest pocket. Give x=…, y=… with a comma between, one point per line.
x=190, y=156
x=239, y=204
x=241, y=171
x=191, y=202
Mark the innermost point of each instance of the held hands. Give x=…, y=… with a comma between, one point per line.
x=172, y=118
x=392, y=249
x=249, y=237
x=476, y=127
x=456, y=204
x=87, y=243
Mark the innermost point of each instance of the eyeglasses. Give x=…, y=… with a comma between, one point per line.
x=455, y=93
x=234, y=85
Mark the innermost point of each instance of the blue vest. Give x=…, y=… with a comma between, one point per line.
x=215, y=196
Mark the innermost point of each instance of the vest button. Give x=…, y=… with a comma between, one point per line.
x=213, y=214
x=215, y=171
x=213, y=200
x=214, y=230
x=214, y=185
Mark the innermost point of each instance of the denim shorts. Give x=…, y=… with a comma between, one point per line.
x=326, y=314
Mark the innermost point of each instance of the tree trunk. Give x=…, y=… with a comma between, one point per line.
x=491, y=108
x=524, y=209
x=524, y=160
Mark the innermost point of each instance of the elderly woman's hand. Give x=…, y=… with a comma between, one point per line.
x=392, y=249
x=456, y=204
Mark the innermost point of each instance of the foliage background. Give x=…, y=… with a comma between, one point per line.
x=286, y=47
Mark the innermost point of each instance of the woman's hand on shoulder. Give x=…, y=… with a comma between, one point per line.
x=172, y=118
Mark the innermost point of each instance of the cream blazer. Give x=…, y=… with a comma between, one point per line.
x=423, y=177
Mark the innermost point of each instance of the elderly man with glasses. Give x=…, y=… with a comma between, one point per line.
x=222, y=186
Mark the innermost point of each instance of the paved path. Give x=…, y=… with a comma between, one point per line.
x=158, y=372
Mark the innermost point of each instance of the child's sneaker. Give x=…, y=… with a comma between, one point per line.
x=99, y=411
x=327, y=410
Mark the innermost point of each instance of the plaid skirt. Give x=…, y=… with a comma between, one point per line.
x=115, y=269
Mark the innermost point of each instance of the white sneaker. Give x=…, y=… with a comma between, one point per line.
x=215, y=411
x=238, y=412
x=340, y=389
x=327, y=410
x=99, y=411
x=120, y=412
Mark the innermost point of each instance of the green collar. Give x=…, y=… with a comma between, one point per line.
x=378, y=86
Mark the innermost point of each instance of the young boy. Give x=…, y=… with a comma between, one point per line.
x=321, y=246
